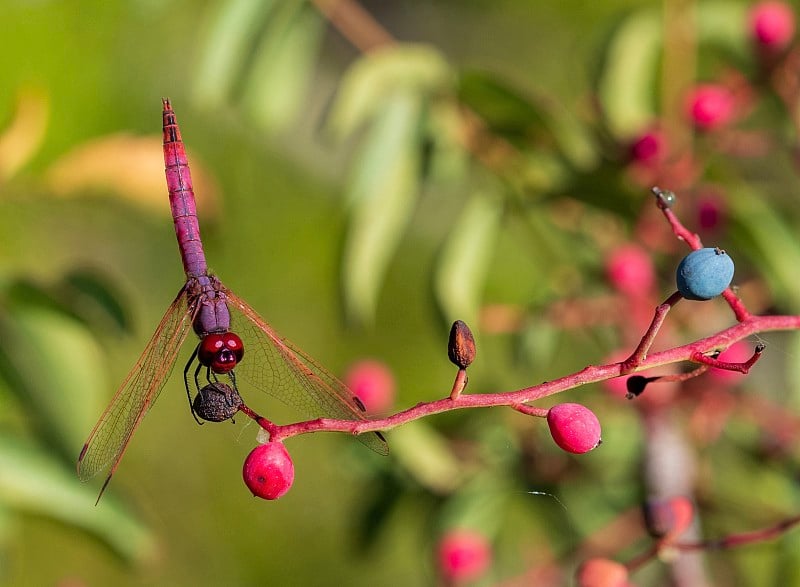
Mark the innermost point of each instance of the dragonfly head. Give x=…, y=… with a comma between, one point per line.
x=220, y=351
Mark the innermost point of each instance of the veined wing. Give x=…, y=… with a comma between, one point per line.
x=112, y=433
x=275, y=366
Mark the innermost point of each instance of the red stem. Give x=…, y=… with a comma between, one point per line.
x=589, y=374
x=629, y=365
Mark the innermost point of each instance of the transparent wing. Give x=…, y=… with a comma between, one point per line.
x=113, y=432
x=275, y=366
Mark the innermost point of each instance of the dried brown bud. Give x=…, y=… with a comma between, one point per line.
x=461, y=348
x=217, y=402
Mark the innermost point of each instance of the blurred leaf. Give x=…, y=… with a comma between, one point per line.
x=629, y=73
x=632, y=62
x=283, y=65
x=228, y=44
x=539, y=341
x=56, y=369
x=722, y=23
x=382, y=194
x=466, y=257
x=377, y=76
x=126, y=166
x=768, y=241
x=33, y=481
x=793, y=370
x=426, y=456
x=504, y=109
x=82, y=294
x=20, y=140
x=93, y=299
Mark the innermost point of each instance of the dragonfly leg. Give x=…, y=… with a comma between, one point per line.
x=186, y=381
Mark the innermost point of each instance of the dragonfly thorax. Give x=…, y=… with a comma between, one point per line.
x=220, y=351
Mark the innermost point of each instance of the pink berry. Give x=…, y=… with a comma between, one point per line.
x=268, y=470
x=372, y=383
x=649, y=148
x=602, y=572
x=463, y=555
x=710, y=106
x=574, y=427
x=771, y=25
x=710, y=212
x=630, y=270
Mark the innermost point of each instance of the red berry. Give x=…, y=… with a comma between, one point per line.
x=268, y=470
x=373, y=383
x=710, y=106
x=771, y=25
x=649, y=148
x=602, y=572
x=574, y=427
x=630, y=270
x=710, y=212
x=463, y=555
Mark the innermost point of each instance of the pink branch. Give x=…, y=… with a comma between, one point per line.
x=590, y=374
x=629, y=365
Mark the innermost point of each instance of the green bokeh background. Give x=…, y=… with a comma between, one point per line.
x=275, y=239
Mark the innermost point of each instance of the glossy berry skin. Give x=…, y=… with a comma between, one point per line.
x=463, y=555
x=772, y=25
x=704, y=274
x=269, y=471
x=574, y=427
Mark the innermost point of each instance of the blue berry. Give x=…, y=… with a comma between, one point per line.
x=704, y=274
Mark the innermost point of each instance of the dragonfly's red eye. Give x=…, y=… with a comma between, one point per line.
x=221, y=352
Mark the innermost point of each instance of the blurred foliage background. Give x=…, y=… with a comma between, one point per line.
x=362, y=194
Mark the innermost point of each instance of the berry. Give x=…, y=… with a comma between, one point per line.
x=771, y=25
x=463, y=555
x=704, y=274
x=373, y=384
x=602, y=572
x=217, y=402
x=710, y=213
x=710, y=106
x=268, y=470
x=649, y=148
x=630, y=270
x=574, y=427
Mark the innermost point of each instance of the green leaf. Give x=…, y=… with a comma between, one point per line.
x=382, y=194
x=505, y=109
x=466, y=257
x=283, y=65
x=225, y=50
x=425, y=455
x=768, y=240
x=56, y=369
x=380, y=74
x=632, y=61
x=630, y=73
x=91, y=298
x=31, y=480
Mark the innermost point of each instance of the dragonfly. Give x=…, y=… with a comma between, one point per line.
x=234, y=343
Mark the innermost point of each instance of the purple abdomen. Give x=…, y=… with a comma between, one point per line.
x=181, y=197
